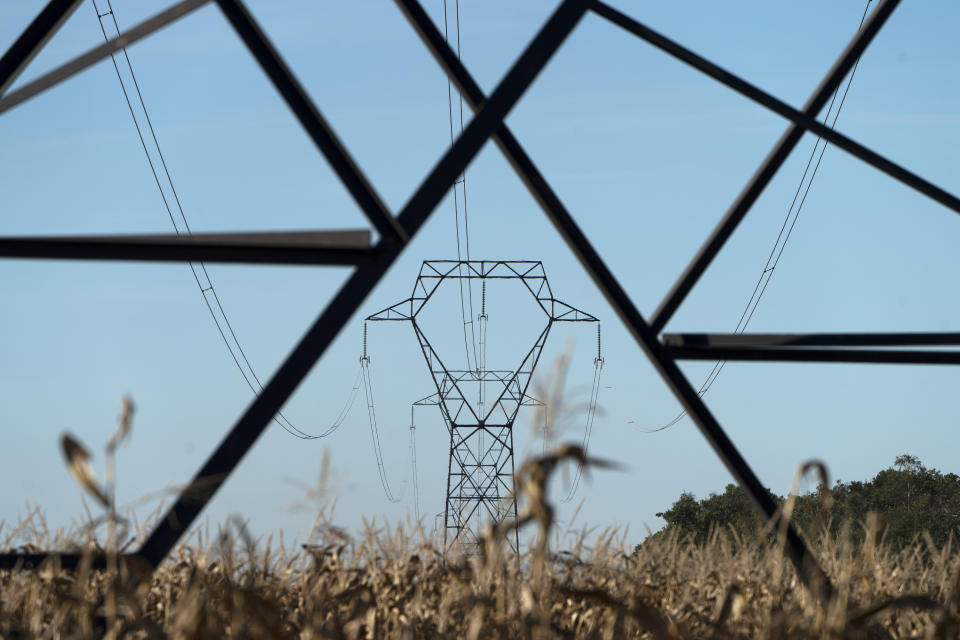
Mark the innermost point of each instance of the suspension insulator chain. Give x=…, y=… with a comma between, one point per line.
x=599, y=358
x=364, y=357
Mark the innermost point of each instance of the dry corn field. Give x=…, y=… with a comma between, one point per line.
x=397, y=583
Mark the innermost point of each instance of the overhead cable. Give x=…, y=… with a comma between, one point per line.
x=786, y=229
x=375, y=432
x=181, y=226
x=414, y=476
x=466, y=293
x=591, y=416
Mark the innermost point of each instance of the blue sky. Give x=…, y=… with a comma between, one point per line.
x=644, y=151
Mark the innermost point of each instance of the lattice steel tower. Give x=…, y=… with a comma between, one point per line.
x=479, y=406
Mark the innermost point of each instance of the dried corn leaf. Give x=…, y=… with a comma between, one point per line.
x=77, y=458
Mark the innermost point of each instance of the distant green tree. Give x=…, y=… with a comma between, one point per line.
x=684, y=515
x=729, y=511
x=908, y=499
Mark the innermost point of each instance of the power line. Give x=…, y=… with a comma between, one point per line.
x=413, y=465
x=466, y=306
x=375, y=431
x=789, y=222
x=199, y=269
x=591, y=416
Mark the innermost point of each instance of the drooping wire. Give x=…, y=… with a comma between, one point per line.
x=414, y=476
x=591, y=416
x=588, y=430
x=201, y=276
x=466, y=297
x=375, y=431
x=786, y=230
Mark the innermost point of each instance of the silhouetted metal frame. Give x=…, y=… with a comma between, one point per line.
x=489, y=121
x=395, y=233
x=644, y=333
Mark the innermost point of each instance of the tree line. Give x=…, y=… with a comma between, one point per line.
x=908, y=499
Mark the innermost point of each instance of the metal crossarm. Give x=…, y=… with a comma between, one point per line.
x=771, y=354
x=305, y=247
x=811, y=339
x=529, y=272
x=479, y=478
x=816, y=347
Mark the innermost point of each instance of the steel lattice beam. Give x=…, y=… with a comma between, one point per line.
x=304, y=248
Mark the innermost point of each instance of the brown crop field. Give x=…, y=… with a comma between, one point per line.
x=397, y=583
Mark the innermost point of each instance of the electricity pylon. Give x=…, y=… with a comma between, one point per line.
x=479, y=406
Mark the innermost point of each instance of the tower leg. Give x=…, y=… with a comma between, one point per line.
x=479, y=484
x=447, y=541
x=513, y=505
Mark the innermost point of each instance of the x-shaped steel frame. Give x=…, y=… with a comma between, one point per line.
x=395, y=232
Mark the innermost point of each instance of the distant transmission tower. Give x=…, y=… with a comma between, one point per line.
x=479, y=405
